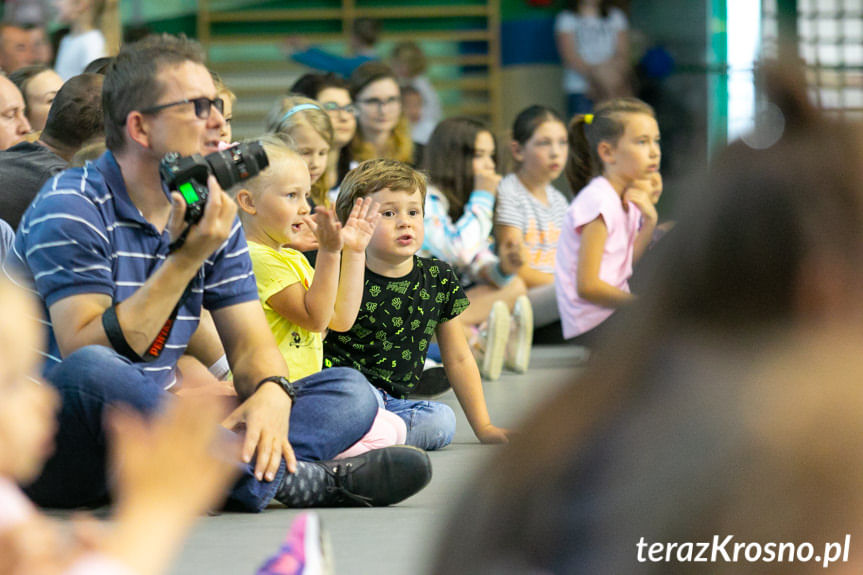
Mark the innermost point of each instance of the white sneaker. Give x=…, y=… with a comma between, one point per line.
x=520, y=336
x=492, y=341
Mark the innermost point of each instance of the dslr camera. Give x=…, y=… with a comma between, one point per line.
x=188, y=174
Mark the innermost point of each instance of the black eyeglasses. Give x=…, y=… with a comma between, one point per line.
x=333, y=107
x=202, y=106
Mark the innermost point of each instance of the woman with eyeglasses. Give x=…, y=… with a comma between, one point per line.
x=331, y=91
x=383, y=131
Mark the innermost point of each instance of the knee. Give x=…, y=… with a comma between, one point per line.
x=363, y=396
x=90, y=364
x=97, y=373
x=433, y=427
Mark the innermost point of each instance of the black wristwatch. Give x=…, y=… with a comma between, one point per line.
x=282, y=382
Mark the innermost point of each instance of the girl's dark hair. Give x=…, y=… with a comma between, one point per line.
x=310, y=85
x=448, y=159
x=740, y=264
x=23, y=76
x=531, y=118
x=607, y=124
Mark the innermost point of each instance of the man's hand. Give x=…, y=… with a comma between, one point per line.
x=211, y=231
x=265, y=416
x=361, y=224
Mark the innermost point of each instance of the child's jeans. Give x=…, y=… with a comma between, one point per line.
x=431, y=424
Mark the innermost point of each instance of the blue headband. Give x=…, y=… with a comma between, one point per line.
x=299, y=108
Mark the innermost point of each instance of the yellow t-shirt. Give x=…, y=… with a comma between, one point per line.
x=275, y=270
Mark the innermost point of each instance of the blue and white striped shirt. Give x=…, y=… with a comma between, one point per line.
x=82, y=234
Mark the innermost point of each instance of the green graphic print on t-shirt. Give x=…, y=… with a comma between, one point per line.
x=397, y=319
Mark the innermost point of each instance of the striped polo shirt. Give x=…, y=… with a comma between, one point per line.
x=82, y=234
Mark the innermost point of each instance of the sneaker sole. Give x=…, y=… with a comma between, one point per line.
x=312, y=546
x=498, y=332
x=521, y=361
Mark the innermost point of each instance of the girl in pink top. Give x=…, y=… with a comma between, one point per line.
x=614, y=158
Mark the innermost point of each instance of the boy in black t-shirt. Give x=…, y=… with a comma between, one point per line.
x=406, y=300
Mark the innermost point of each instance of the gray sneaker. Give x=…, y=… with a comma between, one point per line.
x=520, y=336
x=492, y=341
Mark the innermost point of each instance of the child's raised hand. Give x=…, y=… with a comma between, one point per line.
x=361, y=224
x=640, y=193
x=327, y=229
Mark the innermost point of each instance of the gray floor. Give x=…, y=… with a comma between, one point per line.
x=398, y=539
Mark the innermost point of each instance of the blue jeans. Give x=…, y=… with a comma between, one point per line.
x=430, y=424
x=333, y=410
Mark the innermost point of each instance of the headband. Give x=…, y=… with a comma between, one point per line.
x=588, y=119
x=299, y=108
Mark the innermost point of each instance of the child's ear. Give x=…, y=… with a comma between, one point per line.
x=515, y=149
x=605, y=151
x=246, y=202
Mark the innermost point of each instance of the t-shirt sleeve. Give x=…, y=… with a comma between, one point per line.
x=590, y=206
x=228, y=276
x=273, y=273
x=565, y=22
x=66, y=247
x=452, y=298
x=509, y=211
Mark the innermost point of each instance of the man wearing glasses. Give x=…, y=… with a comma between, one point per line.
x=98, y=244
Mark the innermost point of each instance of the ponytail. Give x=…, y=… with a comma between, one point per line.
x=580, y=165
x=586, y=132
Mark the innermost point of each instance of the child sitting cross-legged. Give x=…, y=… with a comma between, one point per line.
x=301, y=303
x=406, y=300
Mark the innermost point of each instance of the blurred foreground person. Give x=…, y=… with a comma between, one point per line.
x=729, y=404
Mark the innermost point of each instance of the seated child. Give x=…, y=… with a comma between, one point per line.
x=609, y=225
x=301, y=303
x=406, y=300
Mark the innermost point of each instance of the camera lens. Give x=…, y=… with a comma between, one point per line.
x=237, y=163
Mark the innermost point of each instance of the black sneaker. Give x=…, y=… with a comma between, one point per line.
x=377, y=478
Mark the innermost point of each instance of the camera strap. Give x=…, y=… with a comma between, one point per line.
x=118, y=341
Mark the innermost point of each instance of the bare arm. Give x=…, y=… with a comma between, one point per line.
x=311, y=309
x=464, y=376
x=566, y=42
x=253, y=356
x=356, y=234
x=590, y=287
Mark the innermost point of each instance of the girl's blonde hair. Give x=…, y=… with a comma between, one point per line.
x=292, y=111
x=586, y=131
x=277, y=150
